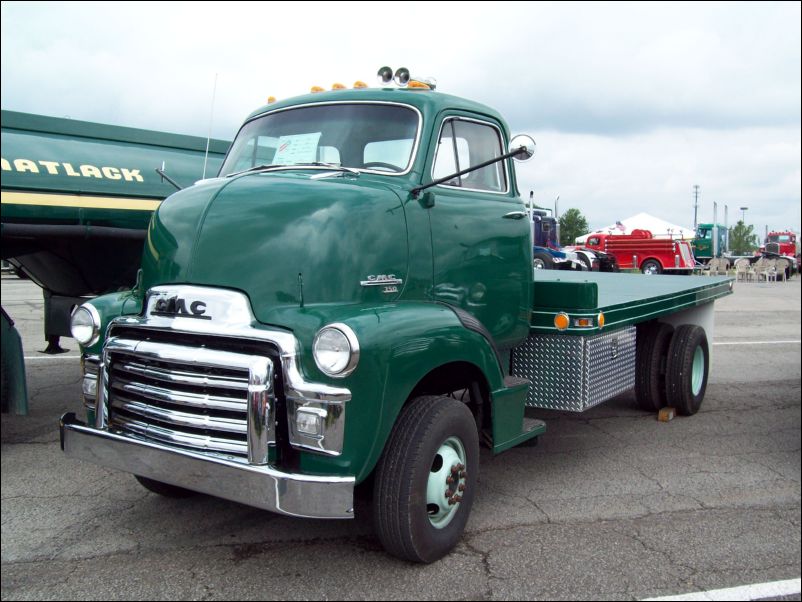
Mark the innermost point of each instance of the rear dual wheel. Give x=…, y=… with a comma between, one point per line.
x=687, y=368
x=671, y=367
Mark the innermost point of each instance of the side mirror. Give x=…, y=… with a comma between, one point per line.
x=527, y=146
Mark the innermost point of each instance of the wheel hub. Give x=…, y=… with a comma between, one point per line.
x=447, y=483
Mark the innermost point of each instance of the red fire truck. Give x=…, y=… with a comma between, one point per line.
x=641, y=250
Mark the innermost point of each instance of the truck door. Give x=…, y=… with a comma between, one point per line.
x=480, y=233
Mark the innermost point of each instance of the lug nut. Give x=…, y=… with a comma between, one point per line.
x=450, y=480
x=449, y=493
x=461, y=487
x=457, y=498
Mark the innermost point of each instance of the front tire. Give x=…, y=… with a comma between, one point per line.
x=426, y=479
x=543, y=261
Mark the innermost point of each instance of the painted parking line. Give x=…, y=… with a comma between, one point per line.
x=51, y=357
x=796, y=342
x=758, y=591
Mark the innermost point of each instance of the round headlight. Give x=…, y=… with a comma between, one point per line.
x=336, y=350
x=85, y=325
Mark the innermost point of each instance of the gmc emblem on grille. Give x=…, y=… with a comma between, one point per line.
x=173, y=307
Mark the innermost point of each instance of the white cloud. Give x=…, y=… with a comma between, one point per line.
x=631, y=103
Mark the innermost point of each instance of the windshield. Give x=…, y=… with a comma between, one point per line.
x=373, y=137
x=779, y=238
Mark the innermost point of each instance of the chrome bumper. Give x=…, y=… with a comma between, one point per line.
x=260, y=486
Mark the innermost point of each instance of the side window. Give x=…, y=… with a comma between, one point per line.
x=463, y=144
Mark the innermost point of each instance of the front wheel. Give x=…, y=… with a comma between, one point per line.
x=543, y=261
x=426, y=479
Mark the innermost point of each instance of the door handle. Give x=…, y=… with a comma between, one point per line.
x=515, y=215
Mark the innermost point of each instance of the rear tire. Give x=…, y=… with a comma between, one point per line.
x=687, y=369
x=650, y=266
x=653, y=340
x=164, y=489
x=432, y=437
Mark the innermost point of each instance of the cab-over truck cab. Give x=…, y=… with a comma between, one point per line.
x=351, y=297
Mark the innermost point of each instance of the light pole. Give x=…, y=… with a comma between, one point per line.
x=743, y=214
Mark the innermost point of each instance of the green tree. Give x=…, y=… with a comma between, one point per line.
x=572, y=224
x=743, y=240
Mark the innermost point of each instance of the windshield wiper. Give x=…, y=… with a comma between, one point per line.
x=270, y=167
x=350, y=170
x=262, y=167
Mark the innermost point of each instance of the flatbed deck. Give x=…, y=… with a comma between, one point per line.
x=623, y=299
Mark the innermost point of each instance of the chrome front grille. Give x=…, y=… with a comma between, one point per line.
x=192, y=397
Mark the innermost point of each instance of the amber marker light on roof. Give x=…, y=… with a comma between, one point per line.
x=360, y=84
x=338, y=86
x=271, y=100
x=416, y=85
x=316, y=89
x=562, y=321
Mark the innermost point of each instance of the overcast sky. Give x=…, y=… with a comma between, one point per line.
x=630, y=104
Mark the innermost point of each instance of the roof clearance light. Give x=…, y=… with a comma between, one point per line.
x=385, y=75
x=562, y=321
x=338, y=87
x=416, y=85
x=316, y=89
x=271, y=100
x=360, y=84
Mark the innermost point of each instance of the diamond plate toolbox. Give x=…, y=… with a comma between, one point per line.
x=575, y=373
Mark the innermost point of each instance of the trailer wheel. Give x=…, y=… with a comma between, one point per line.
x=543, y=261
x=164, y=489
x=687, y=368
x=653, y=340
x=651, y=266
x=426, y=479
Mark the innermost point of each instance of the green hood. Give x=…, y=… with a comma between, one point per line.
x=257, y=233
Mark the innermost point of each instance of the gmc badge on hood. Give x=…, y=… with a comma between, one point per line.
x=174, y=307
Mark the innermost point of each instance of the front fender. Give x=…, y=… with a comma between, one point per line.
x=399, y=345
x=108, y=307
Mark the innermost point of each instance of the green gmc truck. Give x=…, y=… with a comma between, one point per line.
x=353, y=299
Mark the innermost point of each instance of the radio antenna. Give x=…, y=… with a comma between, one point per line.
x=209, y=136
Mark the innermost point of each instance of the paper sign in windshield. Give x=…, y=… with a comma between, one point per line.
x=298, y=148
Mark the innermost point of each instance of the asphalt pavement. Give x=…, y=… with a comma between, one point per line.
x=612, y=504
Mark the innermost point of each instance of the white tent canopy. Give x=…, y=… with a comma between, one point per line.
x=643, y=221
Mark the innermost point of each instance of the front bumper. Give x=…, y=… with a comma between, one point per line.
x=259, y=486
